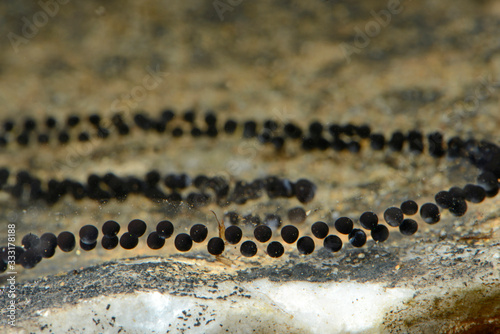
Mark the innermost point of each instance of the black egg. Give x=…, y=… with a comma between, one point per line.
x=344, y=225
x=30, y=240
x=87, y=246
x=474, y=194
x=215, y=246
x=488, y=181
x=165, y=229
x=109, y=242
x=304, y=190
x=66, y=241
x=296, y=215
x=72, y=120
x=289, y=234
x=393, y=216
x=210, y=118
x=30, y=259
x=7, y=254
x=444, y=199
x=48, y=240
x=430, y=213
x=155, y=241
x=380, y=233
x=409, y=207
x=183, y=242
x=408, y=227
x=233, y=234
x=232, y=218
x=189, y=116
x=275, y=249
x=458, y=207
x=263, y=233
x=320, y=230
x=110, y=228
x=230, y=126
x=137, y=227
x=305, y=245
x=48, y=244
x=251, y=220
x=357, y=237
x=89, y=234
x=198, y=232
x=377, y=141
x=63, y=137
x=249, y=129
x=368, y=220
x=248, y=248
x=457, y=193
x=332, y=243
x=129, y=240
x=273, y=221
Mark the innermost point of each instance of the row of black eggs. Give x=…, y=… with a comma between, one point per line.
x=35, y=248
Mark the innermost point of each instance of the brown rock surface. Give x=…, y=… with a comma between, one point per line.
x=435, y=67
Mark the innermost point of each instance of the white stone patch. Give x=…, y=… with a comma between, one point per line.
x=335, y=307
x=261, y=305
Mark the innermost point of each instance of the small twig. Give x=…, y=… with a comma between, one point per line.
x=222, y=228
